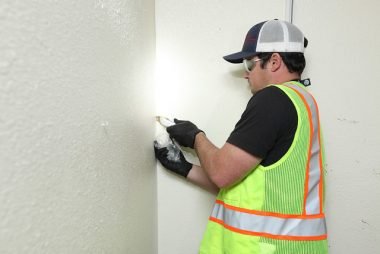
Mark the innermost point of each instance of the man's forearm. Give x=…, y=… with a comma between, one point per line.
x=198, y=176
x=207, y=154
x=224, y=166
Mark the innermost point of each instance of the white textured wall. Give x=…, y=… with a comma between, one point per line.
x=195, y=83
x=76, y=117
x=343, y=64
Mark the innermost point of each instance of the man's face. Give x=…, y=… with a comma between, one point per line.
x=256, y=76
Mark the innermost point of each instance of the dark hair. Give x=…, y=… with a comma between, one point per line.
x=295, y=62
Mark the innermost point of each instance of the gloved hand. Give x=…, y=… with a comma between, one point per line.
x=176, y=164
x=183, y=132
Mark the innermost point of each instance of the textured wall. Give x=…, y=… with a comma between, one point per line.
x=76, y=117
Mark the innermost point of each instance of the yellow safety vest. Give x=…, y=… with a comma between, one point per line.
x=276, y=209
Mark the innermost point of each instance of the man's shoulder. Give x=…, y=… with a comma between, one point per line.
x=271, y=90
x=271, y=95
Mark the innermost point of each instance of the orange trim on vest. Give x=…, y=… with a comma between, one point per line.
x=306, y=191
x=320, y=159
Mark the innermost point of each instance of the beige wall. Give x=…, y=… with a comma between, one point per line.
x=76, y=117
x=195, y=83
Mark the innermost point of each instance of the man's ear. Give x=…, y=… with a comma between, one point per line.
x=275, y=62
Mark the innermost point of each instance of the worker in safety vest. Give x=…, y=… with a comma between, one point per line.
x=269, y=174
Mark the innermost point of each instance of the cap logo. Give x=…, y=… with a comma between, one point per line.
x=250, y=39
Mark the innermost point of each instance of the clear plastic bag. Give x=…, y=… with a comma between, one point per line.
x=173, y=150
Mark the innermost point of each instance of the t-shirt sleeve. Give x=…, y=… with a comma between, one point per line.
x=262, y=122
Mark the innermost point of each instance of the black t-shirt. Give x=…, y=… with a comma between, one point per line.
x=267, y=126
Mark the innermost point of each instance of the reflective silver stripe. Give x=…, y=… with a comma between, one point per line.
x=312, y=205
x=253, y=223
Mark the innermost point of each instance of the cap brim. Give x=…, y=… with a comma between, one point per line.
x=238, y=57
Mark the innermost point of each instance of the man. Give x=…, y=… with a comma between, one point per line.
x=269, y=173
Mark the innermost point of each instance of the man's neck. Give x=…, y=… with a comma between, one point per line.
x=285, y=78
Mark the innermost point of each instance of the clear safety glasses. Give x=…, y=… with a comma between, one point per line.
x=250, y=64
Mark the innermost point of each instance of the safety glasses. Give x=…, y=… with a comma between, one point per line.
x=250, y=64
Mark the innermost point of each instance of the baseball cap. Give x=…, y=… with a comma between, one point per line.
x=270, y=36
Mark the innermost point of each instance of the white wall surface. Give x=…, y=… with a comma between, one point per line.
x=195, y=83
x=76, y=117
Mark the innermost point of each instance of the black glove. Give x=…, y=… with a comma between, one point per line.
x=184, y=132
x=178, y=165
